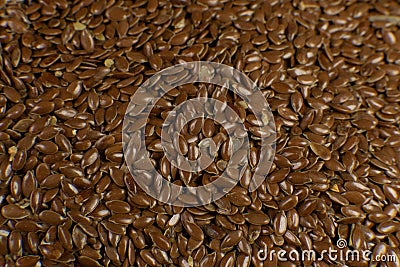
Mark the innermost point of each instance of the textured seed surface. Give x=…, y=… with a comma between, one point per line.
x=68, y=69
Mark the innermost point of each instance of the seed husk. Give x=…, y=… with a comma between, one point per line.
x=321, y=151
x=14, y=212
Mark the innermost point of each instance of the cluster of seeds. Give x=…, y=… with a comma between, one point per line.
x=329, y=69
